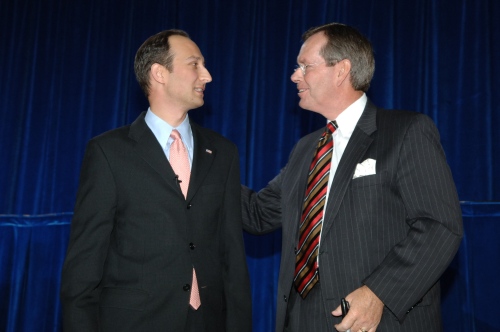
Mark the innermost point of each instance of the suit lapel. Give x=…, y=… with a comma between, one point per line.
x=358, y=144
x=203, y=156
x=151, y=152
x=305, y=160
x=299, y=170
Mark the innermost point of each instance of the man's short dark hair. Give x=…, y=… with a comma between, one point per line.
x=156, y=49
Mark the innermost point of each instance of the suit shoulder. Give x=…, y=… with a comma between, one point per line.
x=111, y=136
x=401, y=123
x=400, y=114
x=394, y=118
x=214, y=137
x=116, y=132
x=314, y=136
x=305, y=143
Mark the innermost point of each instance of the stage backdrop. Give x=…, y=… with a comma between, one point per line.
x=66, y=75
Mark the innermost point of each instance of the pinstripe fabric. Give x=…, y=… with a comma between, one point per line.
x=395, y=231
x=306, y=269
x=307, y=314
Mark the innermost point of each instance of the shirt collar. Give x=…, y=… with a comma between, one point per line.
x=348, y=119
x=162, y=130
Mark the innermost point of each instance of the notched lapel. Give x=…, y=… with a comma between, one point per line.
x=151, y=152
x=203, y=157
x=298, y=175
x=304, y=164
x=358, y=144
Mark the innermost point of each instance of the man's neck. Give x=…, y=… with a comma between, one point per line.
x=171, y=115
x=341, y=104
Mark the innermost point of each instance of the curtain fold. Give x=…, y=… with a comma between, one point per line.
x=470, y=294
x=67, y=75
x=33, y=250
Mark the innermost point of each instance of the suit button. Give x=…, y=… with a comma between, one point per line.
x=186, y=287
x=285, y=298
x=192, y=246
x=188, y=206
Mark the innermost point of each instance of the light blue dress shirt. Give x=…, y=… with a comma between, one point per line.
x=162, y=131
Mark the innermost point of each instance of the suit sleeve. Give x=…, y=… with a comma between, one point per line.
x=262, y=210
x=235, y=274
x=89, y=240
x=426, y=187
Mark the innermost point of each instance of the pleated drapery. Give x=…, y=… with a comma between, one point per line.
x=66, y=75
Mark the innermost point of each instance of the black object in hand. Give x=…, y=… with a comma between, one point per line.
x=344, y=305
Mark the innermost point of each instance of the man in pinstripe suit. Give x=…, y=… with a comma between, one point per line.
x=392, y=220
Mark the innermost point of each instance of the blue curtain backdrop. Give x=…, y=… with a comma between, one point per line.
x=66, y=75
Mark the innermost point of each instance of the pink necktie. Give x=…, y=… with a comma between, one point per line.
x=179, y=161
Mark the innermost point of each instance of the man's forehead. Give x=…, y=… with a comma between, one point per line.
x=306, y=55
x=311, y=48
x=185, y=49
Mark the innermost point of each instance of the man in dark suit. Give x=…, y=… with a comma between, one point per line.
x=153, y=248
x=378, y=222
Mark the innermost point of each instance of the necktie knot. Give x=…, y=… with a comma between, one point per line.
x=327, y=134
x=331, y=127
x=175, y=134
x=179, y=160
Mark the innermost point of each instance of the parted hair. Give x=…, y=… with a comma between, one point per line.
x=345, y=42
x=156, y=49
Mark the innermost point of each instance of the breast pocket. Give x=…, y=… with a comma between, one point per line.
x=371, y=197
x=369, y=180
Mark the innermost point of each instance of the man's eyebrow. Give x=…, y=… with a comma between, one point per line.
x=301, y=60
x=193, y=57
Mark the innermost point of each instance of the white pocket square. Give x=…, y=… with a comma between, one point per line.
x=367, y=167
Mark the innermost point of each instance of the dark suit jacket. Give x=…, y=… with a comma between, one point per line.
x=135, y=238
x=395, y=231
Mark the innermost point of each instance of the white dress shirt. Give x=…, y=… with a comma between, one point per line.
x=346, y=122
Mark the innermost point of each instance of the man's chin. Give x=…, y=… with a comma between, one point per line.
x=304, y=105
x=309, y=108
x=198, y=103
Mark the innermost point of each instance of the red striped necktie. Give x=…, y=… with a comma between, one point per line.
x=306, y=264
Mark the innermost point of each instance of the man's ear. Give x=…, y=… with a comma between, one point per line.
x=159, y=73
x=344, y=69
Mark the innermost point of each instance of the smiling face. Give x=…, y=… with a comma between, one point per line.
x=185, y=85
x=317, y=87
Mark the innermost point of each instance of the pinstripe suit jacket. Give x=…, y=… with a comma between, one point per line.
x=395, y=231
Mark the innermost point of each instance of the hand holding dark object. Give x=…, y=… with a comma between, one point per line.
x=361, y=310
